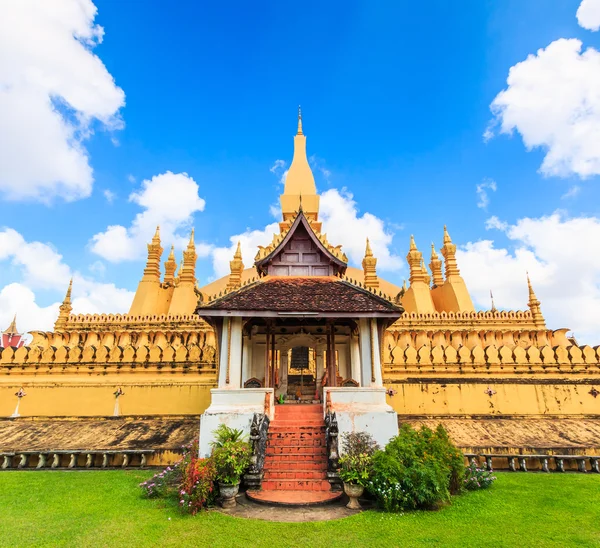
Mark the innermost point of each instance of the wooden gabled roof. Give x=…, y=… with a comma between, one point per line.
x=266, y=255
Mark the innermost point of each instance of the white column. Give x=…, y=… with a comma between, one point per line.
x=355, y=359
x=235, y=348
x=283, y=372
x=364, y=330
x=376, y=353
x=224, y=353
x=320, y=364
x=246, y=365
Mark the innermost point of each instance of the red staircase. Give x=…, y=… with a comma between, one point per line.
x=295, y=470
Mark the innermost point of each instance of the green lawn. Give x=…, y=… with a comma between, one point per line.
x=86, y=508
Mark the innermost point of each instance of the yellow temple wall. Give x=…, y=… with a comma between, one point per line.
x=469, y=397
x=75, y=397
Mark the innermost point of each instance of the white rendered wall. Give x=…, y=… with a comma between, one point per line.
x=233, y=407
x=363, y=410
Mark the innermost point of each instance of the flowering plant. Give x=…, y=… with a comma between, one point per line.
x=197, y=489
x=163, y=483
x=478, y=478
x=231, y=460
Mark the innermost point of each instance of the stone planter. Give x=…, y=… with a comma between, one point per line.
x=228, y=493
x=353, y=491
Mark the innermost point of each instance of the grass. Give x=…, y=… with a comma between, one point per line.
x=86, y=508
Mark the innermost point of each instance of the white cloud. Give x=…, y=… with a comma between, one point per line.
x=553, y=101
x=42, y=267
x=494, y=222
x=588, y=14
x=109, y=195
x=344, y=225
x=53, y=92
x=169, y=200
x=559, y=254
x=572, y=192
x=279, y=170
x=483, y=199
x=319, y=164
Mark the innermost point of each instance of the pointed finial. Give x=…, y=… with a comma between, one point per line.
x=404, y=286
x=238, y=251
x=191, y=242
x=156, y=237
x=447, y=239
x=12, y=328
x=172, y=254
x=534, y=306
x=68, y=295
x=493, y=305
x=434, y=255
x=299, y=120
x=412, y=242
x=300, y=206
x=368, y=251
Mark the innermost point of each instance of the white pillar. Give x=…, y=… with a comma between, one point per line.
x=376, y=353
x=246, y=364
x=355, y=359
x=283, y=372
x=364, y=330
x=235, y=358
x=224, y=353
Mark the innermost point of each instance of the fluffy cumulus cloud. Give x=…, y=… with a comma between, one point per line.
x=280, y=170
x=588, y=14
x=559, y=254
x=553, y=101
x=53, y=92
x=41, y=267
x=343, y=225
x=168, y=200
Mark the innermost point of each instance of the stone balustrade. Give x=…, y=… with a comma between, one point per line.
x=540, y=462
x=98, y=459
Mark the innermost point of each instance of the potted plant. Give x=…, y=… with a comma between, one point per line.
x=356, y=465
x=231, y=460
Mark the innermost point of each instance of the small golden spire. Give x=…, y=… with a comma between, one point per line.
x=412, y=243
x=447, y=239
x=435, y=264
x=236, y=268
x=426, y=276
x=171, y=256
x=191, y=242
x=12, y=328
x=156, y=237
x=493, y=305
x=534, y=306
x=299, y=120
x=369, y=265
x=64, y=311
x=170, y=267
x=414, y=259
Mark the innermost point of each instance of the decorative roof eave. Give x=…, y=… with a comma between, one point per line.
x=216, y=313
x=335, y=254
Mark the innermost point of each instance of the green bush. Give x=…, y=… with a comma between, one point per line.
x=417, y=469
x=231, y=460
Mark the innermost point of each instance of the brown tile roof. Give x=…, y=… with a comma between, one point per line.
x=299, y=294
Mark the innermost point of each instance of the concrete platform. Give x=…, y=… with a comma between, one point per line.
x=282, y=497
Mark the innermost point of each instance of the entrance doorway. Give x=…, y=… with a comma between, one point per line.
x=302, y=374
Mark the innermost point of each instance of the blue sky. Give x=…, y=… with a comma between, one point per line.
x=396, y=98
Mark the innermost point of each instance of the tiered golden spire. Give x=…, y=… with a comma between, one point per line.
x=12, y=328
x=170, y=267
x=534, y=306
x=187, y=272
x=449, y=253
x=64, y=311
x=426, y=276
x=152, y=270
x=415, y=258
x=435, y=265
x=369, y=264
x=236, y=268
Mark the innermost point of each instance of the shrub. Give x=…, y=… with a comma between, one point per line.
x=417, y=469
x=356, y=464
x=231, y=460
x=163, y=483
x=478, y=478
x=197, y=490
x=224, y=434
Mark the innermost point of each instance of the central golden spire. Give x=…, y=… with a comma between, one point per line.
x=300, y=185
